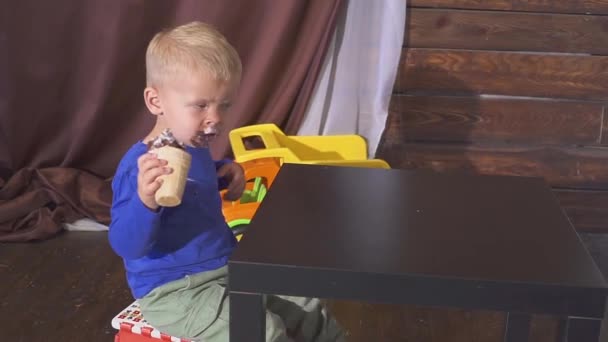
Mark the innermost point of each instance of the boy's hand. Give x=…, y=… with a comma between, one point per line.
x=235, y=175
x=150, y=168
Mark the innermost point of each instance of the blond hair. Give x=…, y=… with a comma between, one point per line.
x=193, y=47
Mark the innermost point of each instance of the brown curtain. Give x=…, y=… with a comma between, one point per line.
x=71, y=82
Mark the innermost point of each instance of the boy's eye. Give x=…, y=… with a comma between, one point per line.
x=203, y=106
x=225, y=106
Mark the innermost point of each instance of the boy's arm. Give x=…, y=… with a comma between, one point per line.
x=133, y=227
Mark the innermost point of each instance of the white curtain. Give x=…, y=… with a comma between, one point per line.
x=355, y=85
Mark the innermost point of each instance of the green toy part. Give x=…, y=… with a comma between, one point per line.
x=238, y=222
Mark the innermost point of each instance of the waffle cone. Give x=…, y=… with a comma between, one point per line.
x=171, y=191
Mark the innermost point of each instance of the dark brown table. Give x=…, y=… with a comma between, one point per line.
x=416, y=237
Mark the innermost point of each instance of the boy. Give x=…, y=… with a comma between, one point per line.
x=176, y=258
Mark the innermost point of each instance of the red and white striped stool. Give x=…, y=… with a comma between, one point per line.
x=132, y=327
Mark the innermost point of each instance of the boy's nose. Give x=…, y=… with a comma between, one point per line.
x=211, y=119
x=209, y=122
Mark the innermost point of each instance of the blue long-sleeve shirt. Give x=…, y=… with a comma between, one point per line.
x=165, y=245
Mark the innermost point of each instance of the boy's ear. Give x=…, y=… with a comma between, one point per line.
x=153, y=101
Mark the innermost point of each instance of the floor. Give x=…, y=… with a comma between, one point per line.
x=64, y=289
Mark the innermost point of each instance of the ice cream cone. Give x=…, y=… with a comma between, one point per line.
x=171, y=191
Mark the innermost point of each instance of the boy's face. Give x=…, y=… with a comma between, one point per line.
x=189, y=104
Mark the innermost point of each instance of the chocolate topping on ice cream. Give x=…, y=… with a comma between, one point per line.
x=166, y=138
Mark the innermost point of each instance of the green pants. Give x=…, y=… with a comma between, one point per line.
x=197, y=307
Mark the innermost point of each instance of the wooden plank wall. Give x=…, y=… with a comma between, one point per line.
x=510, y=87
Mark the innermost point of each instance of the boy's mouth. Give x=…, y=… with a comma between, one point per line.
x=204, y=137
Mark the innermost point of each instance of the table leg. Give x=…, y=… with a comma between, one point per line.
x=247, y=317
x=579, y=330
x=517, y=327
